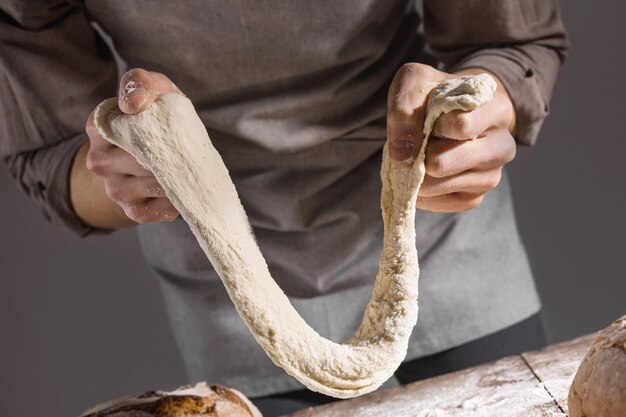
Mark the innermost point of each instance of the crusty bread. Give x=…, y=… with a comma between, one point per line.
x=599, y=387
x=202, y=400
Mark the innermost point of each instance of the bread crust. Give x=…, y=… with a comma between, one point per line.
x=201, y=400
x=599, y=387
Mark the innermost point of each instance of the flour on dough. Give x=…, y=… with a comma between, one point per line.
x=170, y=140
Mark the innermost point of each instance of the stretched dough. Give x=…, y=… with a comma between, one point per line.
x=170, y=140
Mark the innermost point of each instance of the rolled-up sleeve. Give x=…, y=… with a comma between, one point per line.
x=523, y=42
x=54, y=70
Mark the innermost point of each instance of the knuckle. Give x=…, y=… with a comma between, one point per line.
x=402, y=101
x=409, y=68
x=472, y=202
x=444, y=126
x=477, y=201
x=463, y=125
x=494, y=160
x=493, y=180
x=400, y=106
x=414, y=68
x=436, y=166
x=505, y=151
x=507, y=108
x=95, y=139
x=95, y=162
x=92, y=133
x=512, y=150
x=90, y=162
x=501, y=158
x=115, y=192
x=89, y=124
x=489, y=180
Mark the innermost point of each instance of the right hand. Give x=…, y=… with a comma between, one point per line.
x=127, y=183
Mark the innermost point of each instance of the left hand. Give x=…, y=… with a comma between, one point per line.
x=466, y=151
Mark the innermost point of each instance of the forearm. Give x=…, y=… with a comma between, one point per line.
x=54, y=70
x=525, y=49
x=89, y=197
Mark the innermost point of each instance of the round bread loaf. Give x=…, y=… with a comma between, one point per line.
x=599, y=387
x=202, y=400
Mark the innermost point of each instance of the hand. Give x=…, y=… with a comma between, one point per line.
x=126, y=183
x=466, y=151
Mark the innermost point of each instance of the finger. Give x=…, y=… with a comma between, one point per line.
x=447, y=157
x=139, y=88
x=96, y=141
x=104, y=158
x=450, y=203
x=151, y=210
x=124, y=190
x=474, y=182
x=471, y=124
x=114, y=162
x=126, y=164
x=405, y=114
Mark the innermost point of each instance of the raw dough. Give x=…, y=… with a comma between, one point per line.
x=599, y=387
x=170, y=140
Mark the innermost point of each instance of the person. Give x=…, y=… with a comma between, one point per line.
x=299, y=98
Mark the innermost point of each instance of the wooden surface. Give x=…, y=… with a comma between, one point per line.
x=555, y=366
x=533, y=384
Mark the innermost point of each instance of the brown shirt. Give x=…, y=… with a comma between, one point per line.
x=293, y=95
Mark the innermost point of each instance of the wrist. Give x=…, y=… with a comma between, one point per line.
x=89, y=198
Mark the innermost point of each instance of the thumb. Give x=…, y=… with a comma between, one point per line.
x=407, y=99
x=139, y=88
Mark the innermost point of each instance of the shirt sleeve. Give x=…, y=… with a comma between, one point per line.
x=523, y=42
x=54, y=70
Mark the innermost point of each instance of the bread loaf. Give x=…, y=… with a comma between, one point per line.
x=599, y=387
x=202, y=400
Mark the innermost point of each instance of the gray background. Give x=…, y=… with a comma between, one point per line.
x=82, y=320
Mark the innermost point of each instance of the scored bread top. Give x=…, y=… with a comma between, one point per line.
x=201, y=400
